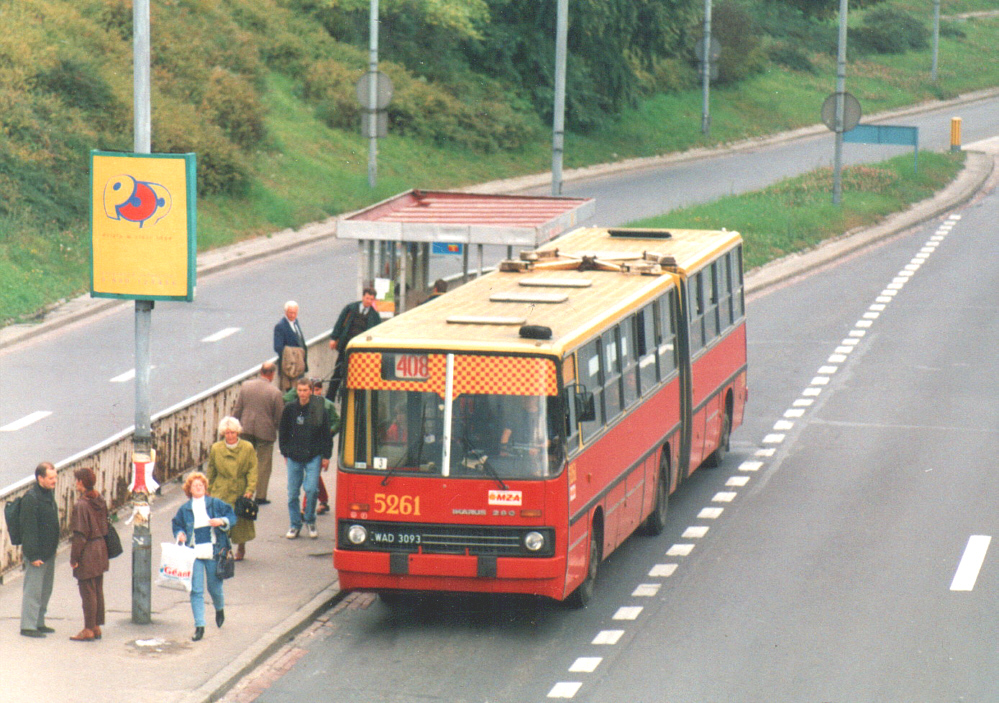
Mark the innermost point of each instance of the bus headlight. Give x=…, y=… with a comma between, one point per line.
x=357, y=534
x=534, y=541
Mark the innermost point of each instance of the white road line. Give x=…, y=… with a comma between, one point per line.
x=662, y=571
x=750, y=465
x=710, y=513
x=586, y=665
x=737, y=482
x=803, y=402
x=724, y=497
x=127, y=376
x=607, y=637
x=628, y=612
x=971, y=563
x=814, y=390
x=646, y=590
x=783, y=425
x=769, y=451
x=565, y=689
x=773, y=439
x=680, y=550
x=221, y=334
x=697, y=531
x=26, y=420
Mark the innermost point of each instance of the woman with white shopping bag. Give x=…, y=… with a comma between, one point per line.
x=201, y=523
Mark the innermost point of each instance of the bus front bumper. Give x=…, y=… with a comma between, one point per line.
x=376, y=571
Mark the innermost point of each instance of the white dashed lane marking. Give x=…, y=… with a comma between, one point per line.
x=971, y=563
x=25, y=421
x=221, y=334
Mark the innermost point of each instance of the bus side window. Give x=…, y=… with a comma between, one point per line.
x=666, y=334
x=695, y=296
x=590, y=376
x=725, y=293
x=711, y=314
x=645, y=341
x=612, y=373
x=629, y=362
x=735, y=258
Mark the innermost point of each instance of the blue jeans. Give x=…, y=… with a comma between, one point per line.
x=204, y=569
x=303, y=474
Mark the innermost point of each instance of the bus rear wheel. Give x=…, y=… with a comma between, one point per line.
x=718, y=455
x=584, y=594
x=655, y=523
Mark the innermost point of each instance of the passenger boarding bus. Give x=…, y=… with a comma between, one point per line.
x=509, y=435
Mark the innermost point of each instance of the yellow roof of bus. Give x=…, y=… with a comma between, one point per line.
x=587, y=301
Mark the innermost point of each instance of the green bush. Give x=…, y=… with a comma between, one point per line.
x=889, y=31
x=791, y=57
x=234, y=105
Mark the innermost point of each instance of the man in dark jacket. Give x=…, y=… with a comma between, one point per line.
x=307, y=445
x=290, y=347
x=354, y=319
x=39, y=541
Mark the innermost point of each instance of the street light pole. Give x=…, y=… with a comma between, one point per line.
x=372, y=121
x=558, y=120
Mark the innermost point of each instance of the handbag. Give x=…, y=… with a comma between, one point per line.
x=225, y=563
x=113, y=541
x=246, y=508
x=176, y=566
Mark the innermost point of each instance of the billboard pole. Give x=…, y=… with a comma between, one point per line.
x=142, y=439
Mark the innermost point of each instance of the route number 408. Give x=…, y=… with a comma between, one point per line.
x=392, y=504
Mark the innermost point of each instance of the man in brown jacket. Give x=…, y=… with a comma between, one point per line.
x=259, y=409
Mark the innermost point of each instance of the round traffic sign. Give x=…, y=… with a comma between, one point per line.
x=851, y=112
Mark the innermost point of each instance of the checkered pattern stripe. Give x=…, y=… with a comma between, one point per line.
x=501, y=375
x=504, y=375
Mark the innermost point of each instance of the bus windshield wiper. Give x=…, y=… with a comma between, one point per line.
x=481, y=460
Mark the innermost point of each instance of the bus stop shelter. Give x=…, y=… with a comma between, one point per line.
x=397, y=236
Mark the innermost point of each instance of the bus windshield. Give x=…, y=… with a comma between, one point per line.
x=489, y=435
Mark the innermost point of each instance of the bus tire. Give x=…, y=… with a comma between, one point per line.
x=655, y=523
x=584, y=593
x=718, y=455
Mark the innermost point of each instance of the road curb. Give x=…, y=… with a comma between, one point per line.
x=977, y=170
x=266, y=646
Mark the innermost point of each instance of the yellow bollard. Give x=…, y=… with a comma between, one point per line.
x=955, y=134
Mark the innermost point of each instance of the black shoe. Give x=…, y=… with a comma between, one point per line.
x=219, y=617
x=46, y=630
x=262, y=501
x=32, y=633
x=199, y=632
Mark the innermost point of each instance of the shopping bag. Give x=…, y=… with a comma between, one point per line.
x=176, y=566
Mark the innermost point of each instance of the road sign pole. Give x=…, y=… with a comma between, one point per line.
x=706, y=72
x=840, y=100
x=372, y=121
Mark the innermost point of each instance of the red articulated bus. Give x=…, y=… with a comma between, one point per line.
x=509, y=435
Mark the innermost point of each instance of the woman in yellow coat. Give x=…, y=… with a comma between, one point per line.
x=232, y=472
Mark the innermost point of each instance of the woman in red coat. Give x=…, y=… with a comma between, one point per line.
x=89, y=556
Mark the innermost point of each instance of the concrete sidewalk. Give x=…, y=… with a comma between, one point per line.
x=282, y=585
x=278, y=589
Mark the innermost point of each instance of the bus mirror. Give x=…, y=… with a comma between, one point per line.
x=585, y=409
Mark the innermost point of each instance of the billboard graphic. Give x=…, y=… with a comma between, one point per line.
x=143, y=225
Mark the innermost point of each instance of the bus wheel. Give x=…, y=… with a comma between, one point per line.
x=584, y=594
x=718, y=455
x=656, y=522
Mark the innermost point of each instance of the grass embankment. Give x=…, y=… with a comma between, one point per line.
x=307, y=171
x=797, y=214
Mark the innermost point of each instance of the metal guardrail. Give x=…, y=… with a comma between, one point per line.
x=182, y=436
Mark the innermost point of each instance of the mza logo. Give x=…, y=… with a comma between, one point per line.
x=505, y=497
x=136, y=201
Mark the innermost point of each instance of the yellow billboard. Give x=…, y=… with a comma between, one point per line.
x=143, y=225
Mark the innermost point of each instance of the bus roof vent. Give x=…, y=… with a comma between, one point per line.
x=528, y=297
x=641, y=233
x=536, y=332
x=485, y=320
x=557, y=282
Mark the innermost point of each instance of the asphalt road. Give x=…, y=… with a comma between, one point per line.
x=851, y=560
x=71, y=388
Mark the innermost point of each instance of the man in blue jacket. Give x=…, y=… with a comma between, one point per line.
x=39, y=541
x=289, y=345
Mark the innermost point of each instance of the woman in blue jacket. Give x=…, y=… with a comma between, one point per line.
x=202, y=522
